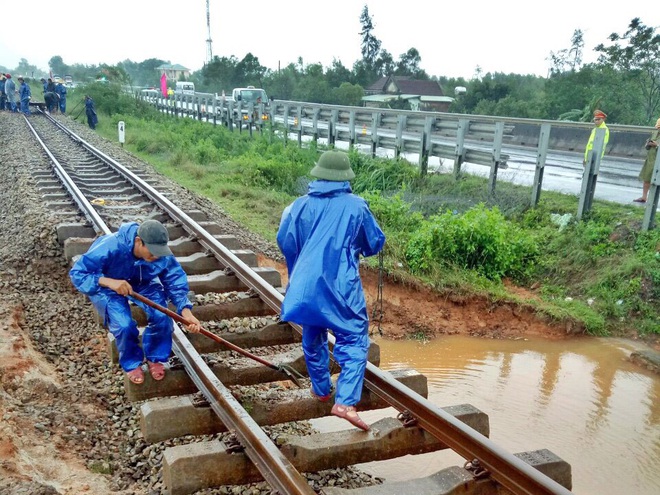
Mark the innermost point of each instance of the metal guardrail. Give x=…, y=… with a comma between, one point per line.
x=476, y=139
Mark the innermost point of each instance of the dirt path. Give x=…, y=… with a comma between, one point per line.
x=418, y=310
x=31, y=460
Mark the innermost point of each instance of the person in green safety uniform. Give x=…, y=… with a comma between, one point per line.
x=647, y=169
x=599, y=123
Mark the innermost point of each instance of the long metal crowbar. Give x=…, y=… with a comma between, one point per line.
x=291, y=373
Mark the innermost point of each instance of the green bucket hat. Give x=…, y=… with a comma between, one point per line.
x=333, y=165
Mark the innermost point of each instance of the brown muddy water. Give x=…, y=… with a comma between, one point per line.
x=581, y=398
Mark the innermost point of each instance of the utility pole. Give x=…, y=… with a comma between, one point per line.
x=209, y=48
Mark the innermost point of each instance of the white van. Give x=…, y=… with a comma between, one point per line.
x=185, y=88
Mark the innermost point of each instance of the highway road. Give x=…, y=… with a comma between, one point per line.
x=617, y=180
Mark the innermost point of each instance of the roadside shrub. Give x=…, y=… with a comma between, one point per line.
x=481, y=239
x=377, y=174
x=393, y=213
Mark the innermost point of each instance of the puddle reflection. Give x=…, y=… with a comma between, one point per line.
x=581, y=399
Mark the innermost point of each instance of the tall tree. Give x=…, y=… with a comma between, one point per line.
x=24, y=68
x=636, y=53
x=370, y=44
x=568, y=58
x=384, y=64
x=219, y=75
x=338, y=74
x=408, y=65
x=251, y=71
x=57, y=66
x=281, y=83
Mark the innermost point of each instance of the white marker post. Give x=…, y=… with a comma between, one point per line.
x=120, y=127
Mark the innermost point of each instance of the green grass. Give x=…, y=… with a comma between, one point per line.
x=601, y=273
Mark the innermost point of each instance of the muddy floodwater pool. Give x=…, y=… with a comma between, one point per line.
x=580, y=398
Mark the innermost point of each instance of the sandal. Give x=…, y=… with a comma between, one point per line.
x=136, y=376
x=157, y=370
x=322, y=398
x=639, y=200
x=349, y=414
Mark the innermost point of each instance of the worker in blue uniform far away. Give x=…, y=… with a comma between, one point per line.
x=136, y=258
x=10, y=91
x=24, y=96
x=90, y=111
x=322, y=236
x=61, y=91
x=51, y=97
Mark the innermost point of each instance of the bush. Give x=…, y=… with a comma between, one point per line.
x=480, y=239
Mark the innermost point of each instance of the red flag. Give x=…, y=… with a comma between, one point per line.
x=163, y=85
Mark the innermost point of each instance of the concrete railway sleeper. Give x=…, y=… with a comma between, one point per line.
x=211, y=391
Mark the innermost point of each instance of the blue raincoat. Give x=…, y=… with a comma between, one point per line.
x=25, y=95
x=60, y=89
x=160, y=280
x=322, y=236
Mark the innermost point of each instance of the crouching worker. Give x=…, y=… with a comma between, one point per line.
x=322, y=236
x=135, y=258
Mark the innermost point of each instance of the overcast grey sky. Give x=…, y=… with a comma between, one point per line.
x=453, y=38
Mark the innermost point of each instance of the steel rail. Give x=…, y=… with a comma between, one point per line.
x=76, y=194
x=267, y=292
x=508, y=470
x=276, y=468
x=505, y=468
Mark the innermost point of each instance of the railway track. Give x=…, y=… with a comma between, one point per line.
x=228, y=408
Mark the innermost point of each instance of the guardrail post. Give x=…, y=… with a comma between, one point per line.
x=590, y=174
x=286, y=123
x=400, y=125
x=425, y=146
x=497, y=150
x=541, y=156
x=375, y=123
x=351, y=130
x=230, y=116
x=652, y=198
x=300, y=125
x=459, y=155
x=315, y=125
x=332, y=127
x=250, y=119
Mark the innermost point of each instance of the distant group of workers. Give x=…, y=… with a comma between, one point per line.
x=54, y=95
x=8, y=94
x=18, y=99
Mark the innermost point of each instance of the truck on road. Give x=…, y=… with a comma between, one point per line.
x=250, y=105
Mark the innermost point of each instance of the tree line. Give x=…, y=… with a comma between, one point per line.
x=624, y=81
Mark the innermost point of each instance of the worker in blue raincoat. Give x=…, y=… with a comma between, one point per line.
x=60, y=89
x=10, y=91
x=135, y=258
x=24, y=96
x=322, y=236
x=90, y=111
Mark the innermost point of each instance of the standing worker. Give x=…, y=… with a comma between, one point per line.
x=647, y=169
x=24, y=95
x=3, y=95
x=599, y=123
x=60, y=89
x=322, y=236
x=10, y=91
x=90, y=111
x=135, y=258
